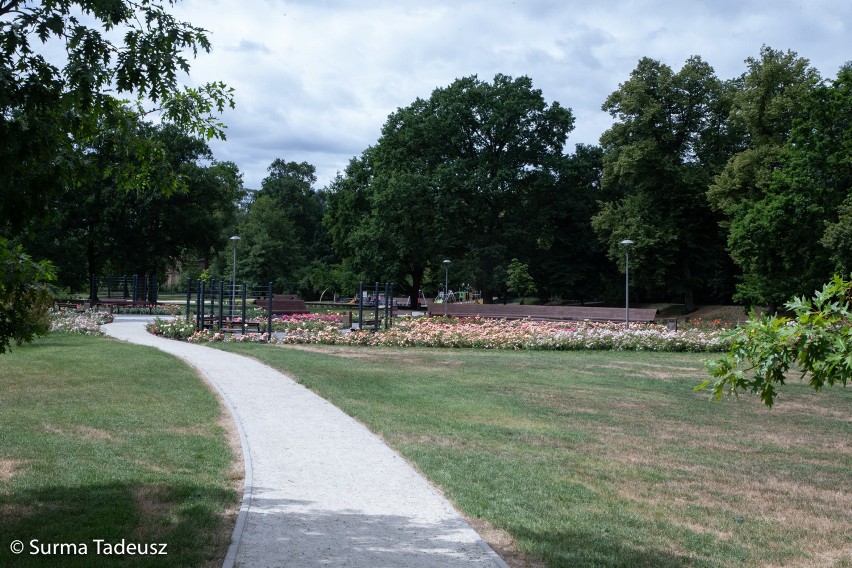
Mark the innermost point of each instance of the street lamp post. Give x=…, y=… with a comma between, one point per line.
x=235, y=238
x=626, y=243
x=446, y=283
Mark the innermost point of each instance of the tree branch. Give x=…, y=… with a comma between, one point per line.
x=9, y=6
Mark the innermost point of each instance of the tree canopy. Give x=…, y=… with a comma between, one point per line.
x=52, y=104
x=730, y=189
x=660, y=156
x=63, y=81
x=456, y=175
x=283, y=238
x=774, y=215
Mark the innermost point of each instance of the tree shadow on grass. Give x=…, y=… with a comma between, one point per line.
x=278, y=532
x=192, y=520
x=577, y=548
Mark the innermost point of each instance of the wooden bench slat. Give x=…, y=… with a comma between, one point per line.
x=283, y=304
x=228, y=325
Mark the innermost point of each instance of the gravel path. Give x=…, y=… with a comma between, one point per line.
x=321, y=490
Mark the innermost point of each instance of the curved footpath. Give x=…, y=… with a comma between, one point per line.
x=321, y=490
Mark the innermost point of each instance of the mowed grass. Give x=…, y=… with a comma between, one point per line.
x=605, y=458
x=104, y=440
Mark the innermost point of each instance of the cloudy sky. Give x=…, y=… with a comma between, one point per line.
x=315, y=80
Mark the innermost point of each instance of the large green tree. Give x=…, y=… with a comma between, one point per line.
x=142, y=231
x=355, y=237
x=268, y=249
x=774, y=214
x=669, y=139
x=291, y=186
x=150, y=228
x=456, y=176
x=569, y=261
x=288, y=191
x=52, y=106
x=823, y=144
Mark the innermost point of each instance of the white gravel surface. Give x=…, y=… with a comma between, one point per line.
x=321, y=490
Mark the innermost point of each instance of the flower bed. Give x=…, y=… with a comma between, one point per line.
x=479, y=333
x=315, y=322
x=521, y=334
x=209, y=336
x=173, y=329
x=85, y=322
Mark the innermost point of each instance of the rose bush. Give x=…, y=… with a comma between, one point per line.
x=173, y=329
x=210, y=335
x=70, y=320
x=305, y=321
x=480, y=333
x=520, y=334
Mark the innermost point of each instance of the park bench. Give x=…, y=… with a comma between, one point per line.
x=230, y=325
x=548, y=313
x=283, y=304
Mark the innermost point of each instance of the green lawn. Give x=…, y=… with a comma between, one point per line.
x=605, y=458
x=102, y=440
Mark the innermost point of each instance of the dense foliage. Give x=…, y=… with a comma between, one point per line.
x=775, y=193
x=24, y=297
x=668, y=143
x=48, y=111
x=461, y=175
x=61, y=77
x=476, y=333
x=731, y=189
x=816, y=342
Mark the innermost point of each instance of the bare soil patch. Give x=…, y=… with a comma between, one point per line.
x=8, y=468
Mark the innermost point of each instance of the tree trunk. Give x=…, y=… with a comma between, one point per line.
x=91, y=260
x=688, y=295
x=771, y=308
x=416, y=282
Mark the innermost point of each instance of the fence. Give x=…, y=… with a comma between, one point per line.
x=137, y=289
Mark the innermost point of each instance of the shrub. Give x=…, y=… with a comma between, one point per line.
x=515, y=334
x=475, y=333
x=817, y=341
x=71, y=320
x=172, y=329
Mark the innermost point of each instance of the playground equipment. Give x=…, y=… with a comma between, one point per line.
x=221, y=297
x=464, y=296
x=377, y=302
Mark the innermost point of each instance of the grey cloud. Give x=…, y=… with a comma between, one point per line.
x=318, y=83
x=247, y=46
